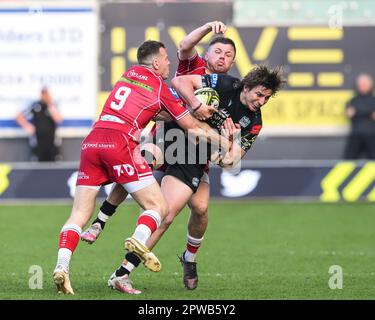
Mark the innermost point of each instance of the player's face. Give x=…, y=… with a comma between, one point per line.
x=220, y=58
x=163, y=63
x=255, y=98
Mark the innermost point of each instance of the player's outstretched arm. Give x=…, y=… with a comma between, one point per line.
x=187, y=45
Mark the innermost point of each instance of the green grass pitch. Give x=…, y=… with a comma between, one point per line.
x=251, y=251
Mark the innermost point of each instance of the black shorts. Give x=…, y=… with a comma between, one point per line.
x=187, y=170
x=190, y=174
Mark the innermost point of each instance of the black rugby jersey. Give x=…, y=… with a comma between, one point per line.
x=229, y=89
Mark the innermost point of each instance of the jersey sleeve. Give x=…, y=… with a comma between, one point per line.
x=194, y=65
x=172, y=104
x=222, y=83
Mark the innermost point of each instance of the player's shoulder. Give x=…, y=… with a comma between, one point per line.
x=195, y=58
x=141, y=73
x=193, y=65
x=230, y=81
x=222, y=81
x=142, y=78
x=199, y=60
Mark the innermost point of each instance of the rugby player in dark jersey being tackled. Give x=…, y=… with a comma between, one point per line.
x=239, y=111
x=239, y=116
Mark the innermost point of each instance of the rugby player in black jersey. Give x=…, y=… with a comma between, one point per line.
x=239, y=111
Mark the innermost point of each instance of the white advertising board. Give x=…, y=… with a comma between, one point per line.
x=52, y=44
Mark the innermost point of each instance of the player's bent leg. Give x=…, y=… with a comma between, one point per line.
x=197, y=226
x=83, y=207
x=177, y=194
x=150, y=198
x=198, y=220
x=117, y=195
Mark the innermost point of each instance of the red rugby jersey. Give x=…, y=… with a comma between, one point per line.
x=194, y=65
x=138, y=96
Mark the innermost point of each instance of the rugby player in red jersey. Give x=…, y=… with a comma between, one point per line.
x=111, y=153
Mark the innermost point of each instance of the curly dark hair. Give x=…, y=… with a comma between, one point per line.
x=263, y=75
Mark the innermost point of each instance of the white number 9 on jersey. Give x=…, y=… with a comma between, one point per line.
x=121, y=95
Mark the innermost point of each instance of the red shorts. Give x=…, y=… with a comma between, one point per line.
x=109, y=155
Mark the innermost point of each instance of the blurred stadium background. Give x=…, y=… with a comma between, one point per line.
x=80, y=48
x=322, y=46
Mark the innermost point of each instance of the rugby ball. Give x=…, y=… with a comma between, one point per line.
x=208, y=96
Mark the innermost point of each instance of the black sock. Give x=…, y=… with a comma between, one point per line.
x=133, y=259
x=108, y=209
x=102, y=223
x=121, y=271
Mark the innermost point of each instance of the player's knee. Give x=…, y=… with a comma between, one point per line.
x=200, y=208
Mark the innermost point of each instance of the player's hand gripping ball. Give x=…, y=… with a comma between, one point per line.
x=208, y=96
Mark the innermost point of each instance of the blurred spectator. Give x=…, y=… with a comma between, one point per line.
x=361, y=112
x=40, y=121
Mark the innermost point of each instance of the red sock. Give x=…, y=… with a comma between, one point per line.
x=69, y=237
x=148, y=221
x=193, y=244
x=192, y=249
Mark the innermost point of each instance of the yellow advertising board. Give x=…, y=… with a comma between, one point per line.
x=320, y=63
